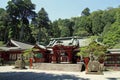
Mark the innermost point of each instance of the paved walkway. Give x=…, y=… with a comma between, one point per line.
x=8, y=73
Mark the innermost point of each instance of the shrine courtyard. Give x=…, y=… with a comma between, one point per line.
x=8, y=73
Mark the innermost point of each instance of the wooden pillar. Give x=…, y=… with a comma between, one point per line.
x=54, y=57
x=70, y=55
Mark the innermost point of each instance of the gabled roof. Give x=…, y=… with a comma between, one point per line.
x=17, y=46
x=114, y=51
x=68, y=41
x=21, y=45
x=9, y=48
x=40, y=46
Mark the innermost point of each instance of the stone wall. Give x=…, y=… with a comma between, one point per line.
x=58, y=67
x=114, y=68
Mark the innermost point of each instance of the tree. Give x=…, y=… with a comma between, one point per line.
x=1, y=24
x=108, y=17
x=93, y=48
x=86, y=23
x=88, y=26
x=21, y=11
x=118, y=15
x=43, y=24
x=65, y=32
x=86, y=12
x=4, y=25
x=78, y=27
x=55, y=30
x=83, y=26
x=112, y=36
x=66, y=27
x=97, y=24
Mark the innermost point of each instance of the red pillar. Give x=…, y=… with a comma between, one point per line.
x=31, y=61
x=70, y=55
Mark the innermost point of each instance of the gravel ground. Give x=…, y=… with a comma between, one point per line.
x=8, y=73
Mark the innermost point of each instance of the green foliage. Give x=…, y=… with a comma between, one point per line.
x=117, y=46
x=65, y=32
x=97, y=24
x=93, y=48
x=97, y=49
x=66, y=27
x=14, y=23
x=55, y=30
x=118, y=16
x=28, y=53
x=112, y=37
x=86, y=12
x=43, y=20
x=83, y=52
x=20, y=11
x=43, y=24
x=4, y=25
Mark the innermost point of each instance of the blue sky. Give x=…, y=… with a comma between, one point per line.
x=68, y=8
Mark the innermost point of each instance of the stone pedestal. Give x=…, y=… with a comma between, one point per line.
x=20, y=64
x=94, y=67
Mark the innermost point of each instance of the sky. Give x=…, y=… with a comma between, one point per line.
x=68, y=8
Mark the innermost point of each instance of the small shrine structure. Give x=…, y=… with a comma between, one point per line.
x=112, y=58
x=13, y=49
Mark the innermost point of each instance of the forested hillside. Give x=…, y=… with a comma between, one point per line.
x=19, y=21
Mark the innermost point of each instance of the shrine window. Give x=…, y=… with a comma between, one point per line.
x=14, y=56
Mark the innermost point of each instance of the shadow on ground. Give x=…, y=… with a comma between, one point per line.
x=113, y=78
x=37, y=76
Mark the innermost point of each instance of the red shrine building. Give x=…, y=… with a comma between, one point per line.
x=59, y=50
x=13, y=49
x=41, y=54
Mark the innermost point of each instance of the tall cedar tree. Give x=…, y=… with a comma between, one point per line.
x=43, y=25
x=20, y=11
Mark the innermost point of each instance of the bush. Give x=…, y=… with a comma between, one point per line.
x=93, y=48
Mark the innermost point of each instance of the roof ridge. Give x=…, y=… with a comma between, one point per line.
x=13, y=41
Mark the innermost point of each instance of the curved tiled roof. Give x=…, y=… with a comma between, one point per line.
x=18, y=46
x=21, y=45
